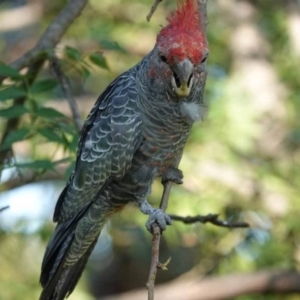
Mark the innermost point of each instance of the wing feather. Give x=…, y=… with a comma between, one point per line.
x=109, y=138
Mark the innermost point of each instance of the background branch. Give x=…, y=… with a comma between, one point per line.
x=65, y=86
x=222, y=287
x=153, y=9
x=210, y=218
x=3, y=208
x=202, y=6
x=30, y=176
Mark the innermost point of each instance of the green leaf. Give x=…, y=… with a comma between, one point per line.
x=48, y=112
x=8, y=71
x=15, y=136
x=44, y=164
x=12, y=92
x=84, y=72
x=110, y=45
x=42, y=86
x=98, y=59
x=51, y=135
x=13, y=111
x=73, y=53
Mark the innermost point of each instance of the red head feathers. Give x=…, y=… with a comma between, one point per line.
x=184, y=36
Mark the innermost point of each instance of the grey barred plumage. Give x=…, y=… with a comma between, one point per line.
x=135, y=132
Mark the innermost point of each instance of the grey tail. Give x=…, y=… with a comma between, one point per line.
x=57, y=279
x=63, y=280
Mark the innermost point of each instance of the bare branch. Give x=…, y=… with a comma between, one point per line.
x=30, y=176
x=202, y=6
x=154, y=261
x=153, y=9
x=210, y=218
x=202, y=11
x=155, y=264
x=3, y=208
x=65, y=86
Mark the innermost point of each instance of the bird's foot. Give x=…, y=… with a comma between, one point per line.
x=172, y=174
x=159, y=217
x=156, y=215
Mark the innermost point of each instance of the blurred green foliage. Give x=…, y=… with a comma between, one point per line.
x=227, y=169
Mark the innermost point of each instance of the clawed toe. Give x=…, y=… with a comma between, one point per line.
x=159, y=217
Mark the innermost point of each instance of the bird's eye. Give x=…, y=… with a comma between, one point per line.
x=204, y=59
x=163, y=58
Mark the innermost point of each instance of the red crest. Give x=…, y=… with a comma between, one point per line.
x=184, y=36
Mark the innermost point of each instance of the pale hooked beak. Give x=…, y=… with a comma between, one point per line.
x=183, y=79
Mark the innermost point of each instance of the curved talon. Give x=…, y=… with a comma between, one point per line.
x=159, y=217
x=172, y=174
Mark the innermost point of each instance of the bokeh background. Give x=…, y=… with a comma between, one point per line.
x=242, y=162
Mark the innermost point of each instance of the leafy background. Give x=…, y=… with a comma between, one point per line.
x=242, y=162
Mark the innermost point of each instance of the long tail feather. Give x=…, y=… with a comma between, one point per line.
x=59, y=279
x=62, y=284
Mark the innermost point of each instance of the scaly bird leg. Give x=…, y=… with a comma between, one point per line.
x=157, y=215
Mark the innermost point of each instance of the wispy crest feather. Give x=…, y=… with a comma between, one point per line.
x=183, y=37
x=186, y=17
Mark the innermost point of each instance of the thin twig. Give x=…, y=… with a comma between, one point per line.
x=65, y=86
x=155, y=264
x=210, y=218
x=202, y=7
x=154, y=261
x=29, y=176
x=202, y=11
x=3, y=208
x=153, y=9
